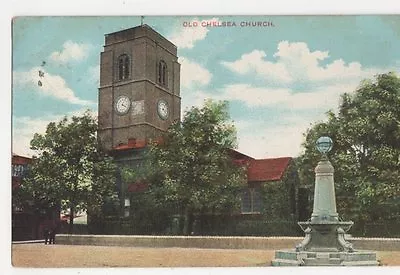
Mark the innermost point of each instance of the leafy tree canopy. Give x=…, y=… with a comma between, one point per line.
x=69, y=170
x=192, y=171
x=366, y=152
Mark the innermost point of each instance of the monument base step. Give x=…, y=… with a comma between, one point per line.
x=306, y=258
x=283, y=262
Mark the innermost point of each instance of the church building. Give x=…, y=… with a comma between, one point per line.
x=139, y=98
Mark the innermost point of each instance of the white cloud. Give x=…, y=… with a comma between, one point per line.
x=193, y=98
x=194, y=77
x=47, y=84
x=272, y=142
x=187, y=36
x=254, y=62
x=259, y=139
x=24, y=129
x=71, y=52
x=295, y=62
x=295, y=78
x=323, y=98
x=193, y=74
x=254, y=96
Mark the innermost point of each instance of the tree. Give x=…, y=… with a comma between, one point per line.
x=192, y=171
x=69, y=171
x=366, y=152
x=146, y=216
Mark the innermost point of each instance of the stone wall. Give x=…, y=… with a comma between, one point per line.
x=270, y=243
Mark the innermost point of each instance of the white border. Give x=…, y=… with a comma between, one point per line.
x=200, y=7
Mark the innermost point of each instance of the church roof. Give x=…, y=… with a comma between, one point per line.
x=236, y=155
x=136, y=144
x=17, y=159
x=271, y=169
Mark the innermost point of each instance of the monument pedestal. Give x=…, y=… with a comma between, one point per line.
x=325, y=245
x=328, y=236
x=324, y=242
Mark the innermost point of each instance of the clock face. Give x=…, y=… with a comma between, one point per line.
x=122, y=105
x=162, y=109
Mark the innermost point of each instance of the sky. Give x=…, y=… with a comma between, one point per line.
x=280, y=76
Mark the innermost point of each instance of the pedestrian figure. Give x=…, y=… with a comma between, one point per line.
x=46, y=235
x=52, y=236
x=50, y=231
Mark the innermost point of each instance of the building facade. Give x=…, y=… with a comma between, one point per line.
x=139, y=98
x=22, y=222
x=27, y=219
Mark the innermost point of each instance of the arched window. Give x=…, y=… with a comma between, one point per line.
x=123, y=67
x=251, y=200
x=162, y=73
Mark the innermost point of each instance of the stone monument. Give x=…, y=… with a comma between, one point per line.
x=325, y=240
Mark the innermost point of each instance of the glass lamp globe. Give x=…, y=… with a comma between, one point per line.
x=324, y=144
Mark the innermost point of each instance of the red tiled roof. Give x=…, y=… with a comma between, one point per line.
x=16, y=159
x=236, y=155
x=267, y=169
x=136, y=144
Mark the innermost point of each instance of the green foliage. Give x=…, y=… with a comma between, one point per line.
x=69, y=169
x=279, y=199
x=276, y=200
x=192, y=171
x=146, y=216
x=366, y=152
x=128, y=174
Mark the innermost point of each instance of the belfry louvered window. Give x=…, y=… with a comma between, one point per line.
x=124, y=65
x=162, y=73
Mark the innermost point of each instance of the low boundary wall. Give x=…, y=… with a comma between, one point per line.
x=215, y=242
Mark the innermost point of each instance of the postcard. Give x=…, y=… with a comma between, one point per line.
x=191, y=141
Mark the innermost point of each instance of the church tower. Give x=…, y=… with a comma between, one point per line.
x=139, y=93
